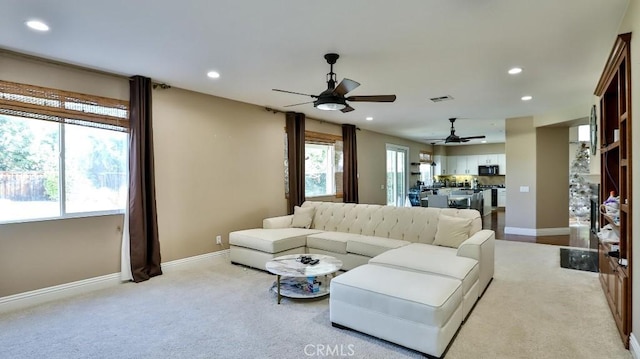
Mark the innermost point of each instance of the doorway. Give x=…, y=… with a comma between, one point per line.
x=397, y=164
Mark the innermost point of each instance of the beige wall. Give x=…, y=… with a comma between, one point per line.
x=219, y=168
x=42, y=254
x=372, y=164
x=631, y=23
x=23, y=69
x=521, y=163
x=552, y=178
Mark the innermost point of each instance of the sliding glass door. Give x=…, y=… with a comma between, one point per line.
x=397, y=174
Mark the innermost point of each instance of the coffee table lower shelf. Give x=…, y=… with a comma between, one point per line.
x=292, y=287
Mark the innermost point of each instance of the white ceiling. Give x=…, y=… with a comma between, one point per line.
x=416, y=49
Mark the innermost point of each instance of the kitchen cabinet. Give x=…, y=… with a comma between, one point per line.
x=502, y=164
x=462, y=165
x=441, y=165
x=502, y=197
x=468, y=165
x=452, y=165
x=472, y=165
x=485, y=160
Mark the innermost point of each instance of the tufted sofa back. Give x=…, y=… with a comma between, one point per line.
x=414, y=224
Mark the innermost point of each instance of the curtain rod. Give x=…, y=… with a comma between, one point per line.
x=321, y=121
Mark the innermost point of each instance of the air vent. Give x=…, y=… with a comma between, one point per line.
x=441, y=98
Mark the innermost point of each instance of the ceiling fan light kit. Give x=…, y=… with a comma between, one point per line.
x=333, y=98
x=330, y=104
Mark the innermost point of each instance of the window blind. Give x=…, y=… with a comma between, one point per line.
x=42, y=103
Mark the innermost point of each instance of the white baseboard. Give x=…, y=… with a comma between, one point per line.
x=537, y=232
x=634, y=346
x=40, y=296
x=183, y=262
x=43, y=295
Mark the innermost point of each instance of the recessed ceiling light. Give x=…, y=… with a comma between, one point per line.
x=213, y=74
x=37, y=25
x=369, y=118
x=515, y=70
x=483, y=141
x=526, y=98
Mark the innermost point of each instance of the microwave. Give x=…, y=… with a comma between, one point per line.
x=491, y=170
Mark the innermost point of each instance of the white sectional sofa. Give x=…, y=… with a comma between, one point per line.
x=419, y=269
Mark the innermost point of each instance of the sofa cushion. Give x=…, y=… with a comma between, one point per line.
x=372, y=246
x=431, y=259
x=412, y=296
x=452, y=231
x=302, y=217
x=335, y=242
x=271, y=240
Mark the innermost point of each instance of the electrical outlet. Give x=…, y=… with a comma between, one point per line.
x=218, y=239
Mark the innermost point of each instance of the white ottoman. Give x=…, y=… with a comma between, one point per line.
x=255, y=247
x=436, y=260
x=417, y=310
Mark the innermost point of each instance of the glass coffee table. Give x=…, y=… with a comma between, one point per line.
x=295, y=279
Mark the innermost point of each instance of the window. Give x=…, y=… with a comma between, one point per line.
x=397, y=174
x=323, y=165
x=584, y=133
x=61, y=154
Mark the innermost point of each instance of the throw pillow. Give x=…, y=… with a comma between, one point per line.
x=302, y=217
x=452, y=231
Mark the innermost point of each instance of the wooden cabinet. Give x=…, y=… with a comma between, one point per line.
x=614, y=92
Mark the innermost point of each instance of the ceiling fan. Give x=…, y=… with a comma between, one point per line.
x=333, y=98
x=453, y=138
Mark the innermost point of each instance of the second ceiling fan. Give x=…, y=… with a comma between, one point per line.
x=333, y=98
x=453, y=138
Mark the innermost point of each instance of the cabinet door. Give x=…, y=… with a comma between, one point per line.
x=485, y=160
x=438, y=166
x=502, y=164
x=502, y=197
x=452, y=165
x=472, y=165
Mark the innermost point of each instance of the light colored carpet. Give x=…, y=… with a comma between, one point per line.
x=532, y=309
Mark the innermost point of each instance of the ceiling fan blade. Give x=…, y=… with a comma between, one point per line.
x=472, y=137
x=345, y=86
x=378, y=98
x=295, y=93
x=296, y=104
x=347, y=109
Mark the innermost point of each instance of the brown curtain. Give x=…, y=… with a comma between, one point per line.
x=350, y=169
x=295, y=142
x=143, y=223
